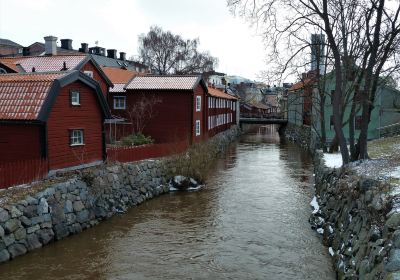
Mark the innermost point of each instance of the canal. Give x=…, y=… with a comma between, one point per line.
x=248, y=222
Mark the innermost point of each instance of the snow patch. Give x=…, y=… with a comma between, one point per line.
x=330, y=229
x=331, y=251
x=333, y=160
x=314, y=204
x=395, y=173
x=320, y=230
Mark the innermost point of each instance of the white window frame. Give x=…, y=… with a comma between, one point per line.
x=115, y=103
x=76, y=137
x=198, y=128
x=75, y=98
x=198, y=103
x=88, y=73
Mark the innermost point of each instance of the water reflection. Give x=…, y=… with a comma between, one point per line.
x=249, y=222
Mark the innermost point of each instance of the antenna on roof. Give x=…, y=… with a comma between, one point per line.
x=96, y=43
x=64, y=66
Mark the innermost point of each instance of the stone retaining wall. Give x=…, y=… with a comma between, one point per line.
x=358, y=219
x=360, y=223
x=84, y=200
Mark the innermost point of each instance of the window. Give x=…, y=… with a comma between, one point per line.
x=76, y=137
x=89, y=73
x=75, y=98
x=197, y=127
x=119, y=102
x=198, y=103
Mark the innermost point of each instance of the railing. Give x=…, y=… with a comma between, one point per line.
x=22, y=172
x=135, y=153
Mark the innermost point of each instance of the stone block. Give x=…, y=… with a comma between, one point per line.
x=12, y=225
x=32, y=229
x=33, y=242
x=78, y=206
x=45, y=235
x=82, y=216
x=4, y=216
x=43, y=206
x=4, y=255
x=68, y=208
x=8, y=239
x=30, y=210
x=15, y=213
x=61, y=231
x=20, y=234
x=394, y=261
x=25, y=221
x=16, y=250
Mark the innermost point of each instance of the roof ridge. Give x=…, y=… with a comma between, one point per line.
x=40, y=56
x=37, y=73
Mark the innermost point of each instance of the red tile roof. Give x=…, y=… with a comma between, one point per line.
x=22, y=95
x=302, y=84
x=44, y=63
x=119, y=76
x=218, y=93
x=188, y=82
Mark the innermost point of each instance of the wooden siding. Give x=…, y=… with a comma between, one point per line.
x=202, y=115
x=172, y=120
x=97, y=77
x=19, y=142
x=64, y=117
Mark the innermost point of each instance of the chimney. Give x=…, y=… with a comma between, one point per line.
x=25, y=51
x=84, y=48
x=97, y=50
x=112, y=53
x=66, y=44
x=50, y=45
x=122, y=56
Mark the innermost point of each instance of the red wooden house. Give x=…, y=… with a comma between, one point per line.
x=55, y=115
x=221, y=111
x=179, y=113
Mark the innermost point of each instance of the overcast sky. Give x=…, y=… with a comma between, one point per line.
x=116, y=24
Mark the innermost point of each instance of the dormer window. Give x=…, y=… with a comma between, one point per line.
x=89, y=73
x=75, y=98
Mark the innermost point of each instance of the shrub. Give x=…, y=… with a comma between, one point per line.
x=136, y=140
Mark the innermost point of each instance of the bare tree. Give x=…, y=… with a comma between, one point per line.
x=362, y=36
x=166, y=53
x=142, y=112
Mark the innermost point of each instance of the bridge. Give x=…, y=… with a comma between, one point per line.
x=262, y=120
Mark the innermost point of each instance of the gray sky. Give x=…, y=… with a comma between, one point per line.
x=116, y=24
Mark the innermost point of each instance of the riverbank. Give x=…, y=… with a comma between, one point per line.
x=357, y=214
x=56, y=208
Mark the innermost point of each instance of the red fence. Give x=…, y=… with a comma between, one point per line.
x=21, y=172
x=134, y=153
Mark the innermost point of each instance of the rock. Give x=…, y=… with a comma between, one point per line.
x=12, y=225
x=393, y=221
x=367, y=184
x=20, y=234
x=32, y=229
x=4, y=256
x=61, y=231
x=16, y=250
x=68, y=208
x=83, y=216
x=43, y=207
x=8, y=239
x=15, y=213
x=1, y=231
x=30, y=211
x=394, y=261
x=396, y=239
x=78, y=206
x=4, y=216
x=45, y=235
x=374, y=233
x=31, y=200
x=33, y=242
x=37, y=220
x=25, y=221
x=76, y=228
x=46, y=225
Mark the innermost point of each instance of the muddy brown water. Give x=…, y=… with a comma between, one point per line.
x=249, y=222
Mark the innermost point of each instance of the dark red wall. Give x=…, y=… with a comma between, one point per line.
x=63, y=117
x=19, y=142
x=172, y=119
x=96, y=76
x=202, y=115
